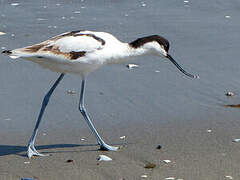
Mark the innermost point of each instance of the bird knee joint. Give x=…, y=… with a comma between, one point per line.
x=82, y=109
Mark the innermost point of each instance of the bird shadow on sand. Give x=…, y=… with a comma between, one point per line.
x=22, y=150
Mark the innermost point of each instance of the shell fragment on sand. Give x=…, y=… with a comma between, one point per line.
x=122, y=137
x=2, y=33
x=76, y=12
x=170, y=178
x=236, y=140
x=209, y=130
x=167, y=161
x=229, y=93
x=228, y=177
x=7, y=119
x=104, y=158
x=143, y=4
x=15, y=4
x=131, y=66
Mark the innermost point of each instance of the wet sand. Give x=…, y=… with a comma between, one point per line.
x=186, y=117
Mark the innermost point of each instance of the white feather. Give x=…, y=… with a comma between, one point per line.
x=78, y=43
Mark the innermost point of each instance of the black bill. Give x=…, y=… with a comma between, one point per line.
x=180, y=68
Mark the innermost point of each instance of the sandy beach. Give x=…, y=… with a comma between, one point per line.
x=151, y=105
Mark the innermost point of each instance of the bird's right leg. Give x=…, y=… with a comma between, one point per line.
x=31, y=149
x=82, y=109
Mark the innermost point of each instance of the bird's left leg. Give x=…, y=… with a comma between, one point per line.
x=31, y=149
x=82, y=109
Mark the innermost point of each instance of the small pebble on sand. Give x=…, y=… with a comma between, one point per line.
x=233, y=105
x=71, y=92
x=229, y=93
x=150, y=166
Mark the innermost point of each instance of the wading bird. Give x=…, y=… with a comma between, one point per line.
x=82, y=52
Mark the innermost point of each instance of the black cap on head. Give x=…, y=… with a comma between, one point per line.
x=159, y=39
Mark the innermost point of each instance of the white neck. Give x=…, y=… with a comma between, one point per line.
x=125, y=52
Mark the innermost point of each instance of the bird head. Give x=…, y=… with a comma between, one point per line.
x=158, y=46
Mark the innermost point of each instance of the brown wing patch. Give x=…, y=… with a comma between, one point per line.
x=76, y=55
x=73, y=55
x=34, y=48
x=47, y=47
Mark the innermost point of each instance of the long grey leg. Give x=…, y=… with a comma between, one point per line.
x=82, y=109
x=31, y=149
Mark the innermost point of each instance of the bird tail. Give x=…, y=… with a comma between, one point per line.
x=7, y=52
x=11, y=54
x=17, y=53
